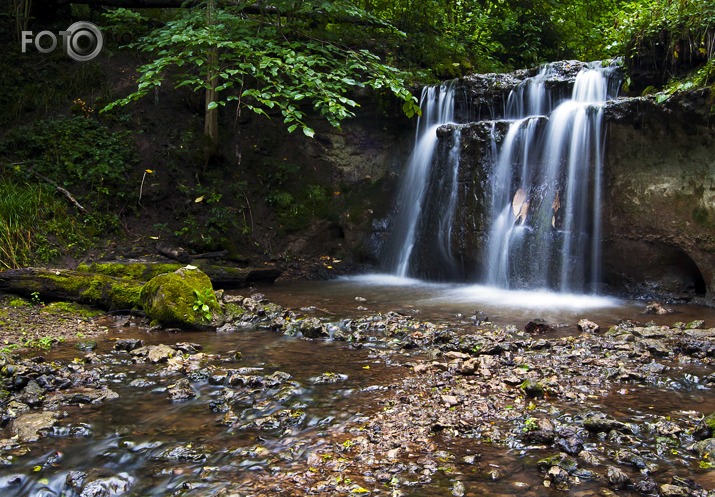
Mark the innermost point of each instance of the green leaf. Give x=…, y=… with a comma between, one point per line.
x=212, y=105
x=308, y=132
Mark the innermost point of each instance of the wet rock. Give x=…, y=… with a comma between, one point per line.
x=30, y=427
x=590, y=458
x=78, y=396
x=543, y=432
x=458, y=489
x=185, y=452
x=586, y=326
x=698, y=323
x=329, y=377
x=538, y=326
x=600, y=423
x=670, y=490
x=646, y=486
x=616, y=478
x=570, y=441
x=562, y=460
x=32, y=394
x=658, y=309
x=472, y=458
x=181, y=390
x=705, y=448
x=532, y=388
x=155, y=353
x=313, y=328
x=656, y=347
x=188, y=348
x=128, y=344
x=708, y=423
x=630, y=457
x=75, y=480
x=558, y=478
x=184, y=298
x=86, y=345
x=112, y=486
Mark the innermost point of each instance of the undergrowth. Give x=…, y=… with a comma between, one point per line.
x=676, y=38
x=35, y=226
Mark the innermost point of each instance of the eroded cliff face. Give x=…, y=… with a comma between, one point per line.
x=659, y=210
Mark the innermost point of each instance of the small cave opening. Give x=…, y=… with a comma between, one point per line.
x=653, y=269
x=695, y=283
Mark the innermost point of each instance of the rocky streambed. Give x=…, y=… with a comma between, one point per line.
x=282, y=402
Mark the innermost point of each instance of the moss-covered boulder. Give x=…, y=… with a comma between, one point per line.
x=183, y=298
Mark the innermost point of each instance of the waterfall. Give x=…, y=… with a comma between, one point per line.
x=437, y=104
x=544, y=222
x=515, y=207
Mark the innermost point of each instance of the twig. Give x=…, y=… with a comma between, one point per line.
x=63, y=191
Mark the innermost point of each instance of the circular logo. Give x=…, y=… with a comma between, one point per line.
x=84, y=41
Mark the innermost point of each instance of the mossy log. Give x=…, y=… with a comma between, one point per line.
x=226, y=277
x=105, y=292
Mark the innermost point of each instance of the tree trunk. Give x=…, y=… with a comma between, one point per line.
x=211, y=117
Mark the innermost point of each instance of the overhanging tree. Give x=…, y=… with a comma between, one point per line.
x=285, y=61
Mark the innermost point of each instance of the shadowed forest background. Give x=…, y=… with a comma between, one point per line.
x=217, y=126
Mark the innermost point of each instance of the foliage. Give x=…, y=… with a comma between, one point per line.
x=671, y=36
x=201, y=303
x=78, y=153
x=451, y=37
x=276, y=64
x=34, y=225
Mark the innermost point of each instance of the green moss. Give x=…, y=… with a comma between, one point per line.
x=126, y=295
x=98, y=289
x=169, y=298
x=709, y=422
x=19, y=303
x=70, y=308
x=141, y=271
x=233, y=311
x=700, y=215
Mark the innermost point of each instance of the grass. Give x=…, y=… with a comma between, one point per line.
x=20, y=211
x=35, y=225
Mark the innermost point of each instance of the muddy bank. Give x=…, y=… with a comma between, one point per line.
x=279, y=402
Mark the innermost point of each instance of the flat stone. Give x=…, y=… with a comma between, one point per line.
x=30, y=427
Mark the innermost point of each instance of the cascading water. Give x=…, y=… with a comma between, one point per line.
x=544, y=227
x=532, y=202
x=437, y=104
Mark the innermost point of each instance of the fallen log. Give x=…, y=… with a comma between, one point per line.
x=105, y=292
x=225, y=277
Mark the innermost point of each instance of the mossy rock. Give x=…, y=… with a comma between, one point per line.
x=709, y=422
x=171, y=299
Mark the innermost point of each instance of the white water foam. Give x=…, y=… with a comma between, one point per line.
x=525, y=299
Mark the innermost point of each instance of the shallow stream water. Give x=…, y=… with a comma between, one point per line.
x=144, y=444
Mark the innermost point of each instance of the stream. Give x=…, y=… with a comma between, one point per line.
x=293, y=399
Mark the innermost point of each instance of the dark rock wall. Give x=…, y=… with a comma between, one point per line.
x=659, y=210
